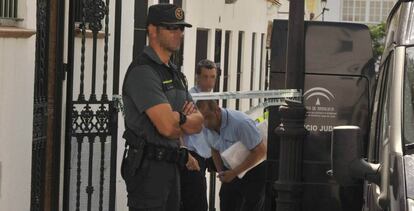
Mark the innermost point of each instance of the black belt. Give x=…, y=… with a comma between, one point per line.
x=139, y=149
x=159, y=153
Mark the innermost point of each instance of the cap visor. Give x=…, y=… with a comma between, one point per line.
x=178, y=23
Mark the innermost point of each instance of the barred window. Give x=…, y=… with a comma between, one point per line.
x=348, y=11
x=386, y=9
x=375, y=11
x=359, y=11
x=366, y=11
x=8, y=9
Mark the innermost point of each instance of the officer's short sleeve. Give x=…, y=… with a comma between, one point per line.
x=143, y=86
x=190, y=98
x=248, y=134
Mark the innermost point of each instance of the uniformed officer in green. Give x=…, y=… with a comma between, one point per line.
x=158, y=112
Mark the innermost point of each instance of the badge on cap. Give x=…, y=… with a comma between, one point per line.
x=179, y=13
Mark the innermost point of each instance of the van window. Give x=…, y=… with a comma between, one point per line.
x=408, y=97
x=379, y=111
x=385, y=110
x=385, y=102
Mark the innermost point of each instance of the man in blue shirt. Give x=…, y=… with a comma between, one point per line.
x=229, y=127
x=193, y=180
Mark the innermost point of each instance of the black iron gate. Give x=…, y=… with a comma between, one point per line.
x=91, y=119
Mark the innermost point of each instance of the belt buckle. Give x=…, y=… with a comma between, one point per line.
x=160, y=154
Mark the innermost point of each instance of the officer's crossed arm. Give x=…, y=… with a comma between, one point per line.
x=144, y=88
x=194, y=123
x=165, y=120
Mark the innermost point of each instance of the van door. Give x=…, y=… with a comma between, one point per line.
x=378, y=130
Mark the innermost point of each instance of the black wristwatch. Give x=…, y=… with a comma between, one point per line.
x=183, y=118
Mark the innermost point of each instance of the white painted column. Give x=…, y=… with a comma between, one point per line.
x=246, y=68
x=127, y=33
x=232, y=79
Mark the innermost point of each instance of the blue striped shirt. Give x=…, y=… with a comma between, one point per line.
x=235, y=126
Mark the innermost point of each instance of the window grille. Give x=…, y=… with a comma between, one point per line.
x=8, y=9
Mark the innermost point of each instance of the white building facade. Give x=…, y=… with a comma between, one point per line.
x=17, y=58
x=360, y=11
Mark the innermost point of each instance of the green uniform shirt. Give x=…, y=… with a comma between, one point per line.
x=145, y=87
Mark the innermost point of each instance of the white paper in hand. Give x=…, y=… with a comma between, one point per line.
x=235, y=155
x=262, y=126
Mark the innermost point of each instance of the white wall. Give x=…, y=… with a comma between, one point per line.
x=16, y=112
x=17, y=59
x=334, y=13
x=127, y=38
x=278, y=11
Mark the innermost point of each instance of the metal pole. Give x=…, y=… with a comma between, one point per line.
x=114, y=114
x=291, y=130
x=69, y=105
x=212, y=194
x=296, y=46
x=60, y=76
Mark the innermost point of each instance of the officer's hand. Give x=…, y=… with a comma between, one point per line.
x=226, y=176
x=189, y=108
x=192, y=163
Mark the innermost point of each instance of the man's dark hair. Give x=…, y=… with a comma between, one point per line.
x=205, y=63
x=211, y=104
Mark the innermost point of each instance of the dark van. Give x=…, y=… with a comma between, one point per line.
x=339, y=90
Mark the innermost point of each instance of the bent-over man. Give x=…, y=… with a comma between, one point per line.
x=231, y=126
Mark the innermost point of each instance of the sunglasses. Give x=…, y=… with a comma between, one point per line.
x=173, y=27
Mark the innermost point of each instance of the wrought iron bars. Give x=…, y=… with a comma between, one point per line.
x=90, y=117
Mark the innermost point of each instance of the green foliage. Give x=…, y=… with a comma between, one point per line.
x=378, y=39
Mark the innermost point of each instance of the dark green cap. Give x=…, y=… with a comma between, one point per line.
x=166, y=14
